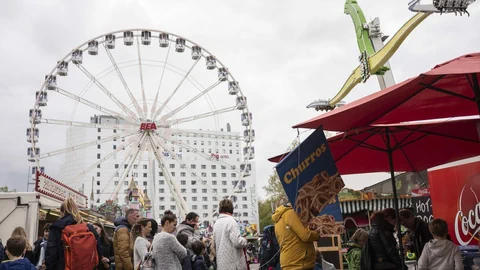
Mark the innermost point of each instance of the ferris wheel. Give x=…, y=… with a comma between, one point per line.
x=137, y=91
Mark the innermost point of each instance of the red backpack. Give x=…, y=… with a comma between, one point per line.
x=80, y=247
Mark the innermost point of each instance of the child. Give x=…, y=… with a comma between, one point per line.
x=198, y=262
x=15, y=249
x=354, y=253
x=440, y=253
x=186, y=263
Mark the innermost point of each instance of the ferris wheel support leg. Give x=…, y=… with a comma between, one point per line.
x=174, y=190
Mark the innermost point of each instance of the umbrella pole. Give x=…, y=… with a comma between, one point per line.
x=395, y=195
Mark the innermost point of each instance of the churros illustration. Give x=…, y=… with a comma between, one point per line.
x=316, y=194
x=326, y=225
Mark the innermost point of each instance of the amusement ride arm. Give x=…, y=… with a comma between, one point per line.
x=377, y=60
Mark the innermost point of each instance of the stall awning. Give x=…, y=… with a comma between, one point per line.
x=350, y=207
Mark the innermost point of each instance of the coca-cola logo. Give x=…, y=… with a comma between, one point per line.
x=467, y=219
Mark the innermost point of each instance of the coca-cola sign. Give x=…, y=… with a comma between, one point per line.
x=455, y=194
x=467, y=220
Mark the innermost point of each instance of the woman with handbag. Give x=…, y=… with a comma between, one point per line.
x=139, y=234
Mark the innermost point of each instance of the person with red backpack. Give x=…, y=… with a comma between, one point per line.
x=71, y=243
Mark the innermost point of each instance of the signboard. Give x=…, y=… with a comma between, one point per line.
x=333, y=209
x=422, y=208
x=58, y=190
x=419, y=192
x=310, y=177
x=148, y=126
x=455, y=193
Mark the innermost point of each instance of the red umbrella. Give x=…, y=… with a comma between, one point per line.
x=409, y=147
x=414, y=147
x=450, y=89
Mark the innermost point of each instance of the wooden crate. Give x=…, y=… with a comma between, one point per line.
x=331, y=248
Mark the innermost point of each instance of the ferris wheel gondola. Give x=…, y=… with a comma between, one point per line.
x=151, y=125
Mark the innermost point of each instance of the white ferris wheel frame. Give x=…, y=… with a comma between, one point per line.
x=134, y=118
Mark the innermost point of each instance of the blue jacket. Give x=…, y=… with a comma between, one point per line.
x=20, y=264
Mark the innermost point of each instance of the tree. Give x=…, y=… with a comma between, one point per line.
x=274, y=189
x=5, y=189
x=275, y=193
x=265, y=213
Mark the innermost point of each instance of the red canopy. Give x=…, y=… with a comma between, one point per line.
x=415, y=147
x=450, y=89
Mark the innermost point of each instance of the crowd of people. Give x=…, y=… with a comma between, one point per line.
x=377, y=249
x=140, y=243
x=137, y=243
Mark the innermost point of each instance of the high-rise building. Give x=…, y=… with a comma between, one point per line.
x=206, y=168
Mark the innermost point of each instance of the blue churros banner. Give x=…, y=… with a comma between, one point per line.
x=333, y=209
x=310, y=177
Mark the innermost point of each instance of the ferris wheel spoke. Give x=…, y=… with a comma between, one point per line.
x=107, y=92
x=199, y=116
x=141, y=80
x=86, y=125
x=174, y=190
x=206, y=156
x=174, y=157
x=184, y=166
x=154, y=106
x=125, y=85
x=84, y=145
x=159, y=111
x=117, y=172
x=99, y=162
x=93, y=105
x=173, y=112
x=129, y=167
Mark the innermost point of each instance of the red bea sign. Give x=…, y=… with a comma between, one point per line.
x=148, y=126
x=455, y=193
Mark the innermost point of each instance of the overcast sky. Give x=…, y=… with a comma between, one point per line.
x=285, y=54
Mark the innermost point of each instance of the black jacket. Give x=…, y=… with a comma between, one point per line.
x=186, y=262
x=198, y=263
x=55, y=256
x=421, y=236
x=107, y=252
x=383, y=245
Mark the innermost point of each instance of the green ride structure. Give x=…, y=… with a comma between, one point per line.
x=374, y=54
